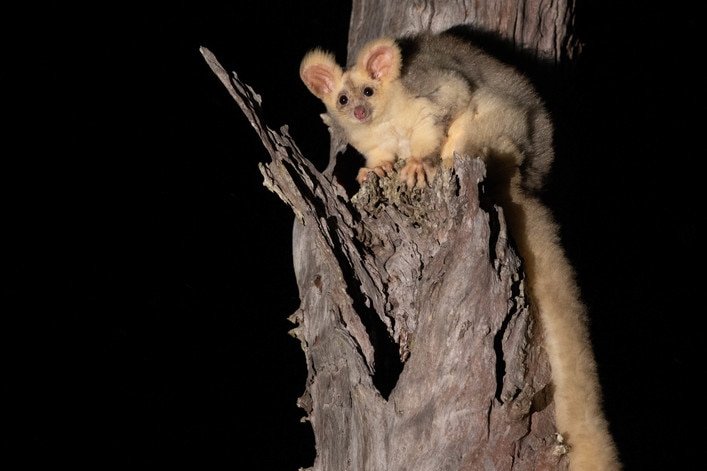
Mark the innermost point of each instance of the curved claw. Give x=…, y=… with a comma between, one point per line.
x=417, y=173
x=381, y=171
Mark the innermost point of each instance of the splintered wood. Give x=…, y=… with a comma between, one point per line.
x=420, y=349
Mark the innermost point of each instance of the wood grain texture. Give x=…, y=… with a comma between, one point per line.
x=538, y=28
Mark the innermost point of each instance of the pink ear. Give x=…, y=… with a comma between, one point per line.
x=319, y=79
x=320, y=73
x=380, y=63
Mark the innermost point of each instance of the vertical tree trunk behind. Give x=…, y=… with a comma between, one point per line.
x=420, y=350
x=539, y=28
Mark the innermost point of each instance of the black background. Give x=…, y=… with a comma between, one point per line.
x=160, y=268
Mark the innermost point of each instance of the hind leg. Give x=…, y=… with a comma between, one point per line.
x=462, y=138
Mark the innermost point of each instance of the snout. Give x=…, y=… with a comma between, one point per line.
x=360, y=113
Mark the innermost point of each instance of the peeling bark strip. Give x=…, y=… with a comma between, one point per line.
x=413, y=320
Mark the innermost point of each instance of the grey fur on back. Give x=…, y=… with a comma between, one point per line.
x=429, y=60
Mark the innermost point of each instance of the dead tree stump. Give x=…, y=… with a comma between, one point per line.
x=420, y=349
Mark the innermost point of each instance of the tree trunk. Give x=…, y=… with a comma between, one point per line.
x=538, y=28
x=420, y=349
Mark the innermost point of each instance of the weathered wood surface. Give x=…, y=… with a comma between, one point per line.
x=538, y=28
x=419, y=346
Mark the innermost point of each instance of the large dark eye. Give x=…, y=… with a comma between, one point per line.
x=368, y=91
x=343, y=99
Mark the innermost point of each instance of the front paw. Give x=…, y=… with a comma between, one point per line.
x=417, y=173
x=381, y=171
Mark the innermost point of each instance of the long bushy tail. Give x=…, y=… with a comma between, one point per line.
x=556, y=299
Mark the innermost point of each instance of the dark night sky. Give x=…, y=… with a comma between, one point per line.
x=168, y=265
